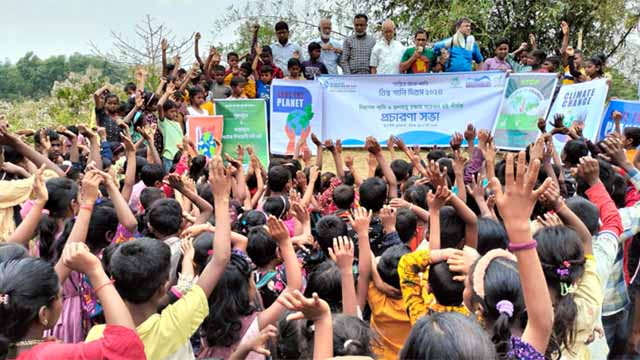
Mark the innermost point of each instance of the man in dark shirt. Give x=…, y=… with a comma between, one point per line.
x=313, y=67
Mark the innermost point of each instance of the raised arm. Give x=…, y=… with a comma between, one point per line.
x=435, y=202
x=90, y=193
x=319, y=149
x=516, y=205
x=28, y=152
x=220, y=181
x=196, y=48
x=27, y=228
x=123, y=211
x=206, y=210
x=360, y=220
x=373, y=147
x=342, y=254
x=164, y=45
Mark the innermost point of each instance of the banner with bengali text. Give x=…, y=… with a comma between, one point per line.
x=245, y=123
x=421, y=109
x=527, y=97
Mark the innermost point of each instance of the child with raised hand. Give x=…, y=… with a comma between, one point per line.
x=316, y=310
x=570, y=270
x=495, y=290
x=140, y=269
x=30, y=303
x=422, y=261
x=233, y=317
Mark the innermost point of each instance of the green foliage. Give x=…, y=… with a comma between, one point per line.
x=32, y=78
x=621, y=87
x=70, y=101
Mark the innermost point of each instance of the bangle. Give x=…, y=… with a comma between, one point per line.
x=110, y=282
x=524, y=246
x=86, y=207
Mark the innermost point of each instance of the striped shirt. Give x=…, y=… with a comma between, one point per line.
x=356, y=54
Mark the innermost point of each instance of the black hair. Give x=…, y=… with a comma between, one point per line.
x=461, y=21
x=491, y=235
x=140, y=268
x=237, y=80
x=373, y=194
x=540, y=55
x=150, y=195
x=246, y=66
x=587, y=211
x=228, y=304
x=501, y=283
x=281, y=25
x=313, y=46
x=401, y=169
x=406, y=224
x=361, y=16
x=452, y=228
x=417, y=195
x=351, y=336
x=62, y=192
x=343, y=197
x=168, y=105
x=277, y=206
x=12, y=251
x=198, y=167
x=597, y=61
x=606, y=176
x=329, y=227
x=574, y=150
x=447, y=291
x=102, y=226
x=219, y=68
x=420, y=31
x=165, y=217
x=266, y=49
x=555, y=60
x=278, y=178
x=261, y=247
x=326, y=282
x=293, y=62
x=633, y=133
x=52, y=134
x=388, y=264
x=295, y=338
x=503, y=41
x=438, y=336
x=151, y=173
x=205, y=192
x=562, y=257
x=232, y=53
x=436, y=154
x=248, y=220
x=203, y=245
x=194, y=91
x=266, y=69
x=11, y=155
x=129, y=87
x=29, y=283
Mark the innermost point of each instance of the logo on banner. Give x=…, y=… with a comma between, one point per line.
x=525, y=100
x=480, y=82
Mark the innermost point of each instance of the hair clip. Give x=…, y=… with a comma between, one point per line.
x=505, y=307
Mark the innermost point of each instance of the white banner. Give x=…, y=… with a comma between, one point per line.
x=581, y=104
x=421, y=109
x=296, y=112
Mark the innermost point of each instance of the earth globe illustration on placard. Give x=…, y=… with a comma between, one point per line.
x=525, y=100
x=207, y=145
x=298, y=120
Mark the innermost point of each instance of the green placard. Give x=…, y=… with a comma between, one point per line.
x=245, y=123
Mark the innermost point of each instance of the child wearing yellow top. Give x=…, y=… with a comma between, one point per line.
x=249, y=88
x=140, y=271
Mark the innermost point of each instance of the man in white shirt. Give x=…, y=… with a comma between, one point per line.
x=331, y=48
x=283, y=50
x=387, y=54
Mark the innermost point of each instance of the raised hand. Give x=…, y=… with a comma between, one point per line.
x=388, y=218
x=442, y=196
x=90, y=187
x=39, y=187
x=476, y=188
x=342, y=252
x=315, y=140
x=615, y=151
x=312, y=308
x=77, y=257
x=278, y=230
x=549, y=220
x=164, y=44
x=589, y=170
x=219, y=178
x=360, y=219
x=470, y=134
x=537, y=149
x=328, y=144
x=436, y=176
x=456, y=141
x=542, y=125
x=187, y=249
x=372, y=145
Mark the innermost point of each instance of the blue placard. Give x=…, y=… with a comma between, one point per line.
x=630, y=116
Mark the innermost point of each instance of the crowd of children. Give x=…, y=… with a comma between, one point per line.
x=122, y=242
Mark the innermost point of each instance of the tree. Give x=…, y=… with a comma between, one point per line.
x=145, y=49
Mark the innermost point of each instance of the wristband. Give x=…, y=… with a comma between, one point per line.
x=524, y=246
x=86, y=207
x=110, y=282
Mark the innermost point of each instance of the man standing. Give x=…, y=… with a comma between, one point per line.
x=417, y=59
x=462, y=49
x=283, y=50
x=356, y=49
x=386, y=55
x=331, y=48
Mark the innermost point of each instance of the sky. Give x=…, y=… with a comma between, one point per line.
x=64, y=27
